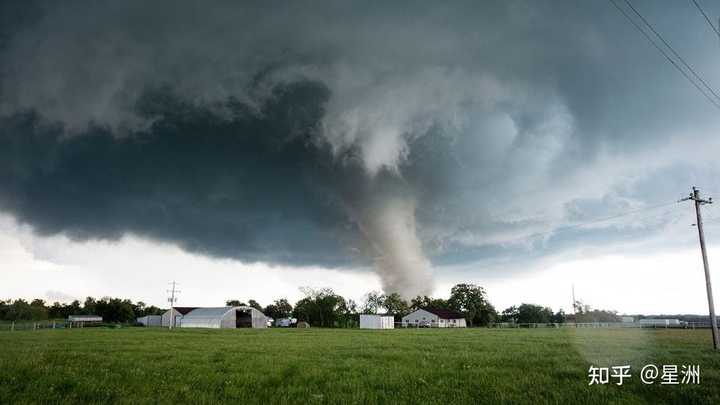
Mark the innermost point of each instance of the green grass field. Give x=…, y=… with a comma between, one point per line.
x=135, y=365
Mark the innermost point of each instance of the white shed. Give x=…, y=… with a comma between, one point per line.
x=434, y=318
x=224, y=317
x=377, y=322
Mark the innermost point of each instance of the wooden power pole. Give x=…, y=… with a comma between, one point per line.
x=695, y=196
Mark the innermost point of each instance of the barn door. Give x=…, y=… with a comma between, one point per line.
x=243, y=318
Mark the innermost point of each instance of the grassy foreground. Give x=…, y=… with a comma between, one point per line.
x=136, y=365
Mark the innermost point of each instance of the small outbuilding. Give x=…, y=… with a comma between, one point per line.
x=665, y=323
x=373, y=321
x=82, y=320
x=224, y=317
x=434, y=318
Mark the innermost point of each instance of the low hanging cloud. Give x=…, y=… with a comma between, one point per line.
x=336, y=134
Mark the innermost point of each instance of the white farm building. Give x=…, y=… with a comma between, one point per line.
x=224, y=317
x=377, y=321
x=434, y=318
x=176, y=317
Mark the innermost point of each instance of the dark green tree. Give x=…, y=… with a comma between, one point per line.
x=279, y=309
x=510, y=315
x=322, y=307
x=373, y=302
x=255, y=304
x=19, y=310
x=38, y=310
x=395, y=305
x=428, y=302
x=89, y=307
x=471, y=300
x=530, y=313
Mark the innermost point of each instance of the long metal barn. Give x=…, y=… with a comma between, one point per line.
x=224, y=317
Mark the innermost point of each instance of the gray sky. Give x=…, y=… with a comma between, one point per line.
x=248, y=150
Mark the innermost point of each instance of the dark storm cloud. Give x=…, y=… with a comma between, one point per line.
x=337, y=133
x=250, y=185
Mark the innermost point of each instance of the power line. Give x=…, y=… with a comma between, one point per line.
x=604, y=219
x=715, y=102
x=700, y=9
x=657, y=34
x=589, y=222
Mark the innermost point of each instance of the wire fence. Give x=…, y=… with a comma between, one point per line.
x=433, y=325
x=49, y=324
x=640, y=325
x=64, y=324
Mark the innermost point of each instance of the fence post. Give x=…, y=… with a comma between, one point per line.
x=12, y=326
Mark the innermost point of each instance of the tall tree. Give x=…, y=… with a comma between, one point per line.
x=471, y=300
x=510, y=314
x=530, y=313
x=281, y=308
x=322, y=307
x=395, y=305
x=89, y=306
x=38, y=310
x=255, y=304
x=373, y=302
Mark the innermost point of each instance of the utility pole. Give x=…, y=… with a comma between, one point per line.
x=172, y=300
x=573, y=306
x=695, y=196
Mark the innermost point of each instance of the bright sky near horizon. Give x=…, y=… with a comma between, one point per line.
x=56, y=269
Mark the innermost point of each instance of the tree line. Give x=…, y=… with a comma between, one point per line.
x=323, y=308
x=113, y=310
